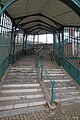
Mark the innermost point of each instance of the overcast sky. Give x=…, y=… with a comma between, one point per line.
x=42, y=38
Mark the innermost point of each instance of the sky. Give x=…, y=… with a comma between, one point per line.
x=42, y=38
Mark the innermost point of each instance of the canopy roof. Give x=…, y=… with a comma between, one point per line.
x=44, y=16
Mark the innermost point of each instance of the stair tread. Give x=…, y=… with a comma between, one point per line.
x=20, y=90
x=17, y=97
x=20, y=101
x=68, y=99
x=20, y=94
x=67, y=95
x=20, y=85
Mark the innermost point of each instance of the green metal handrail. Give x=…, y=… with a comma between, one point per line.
x=52, y=84
x=6, y=6
x=38, y=55
x=77, y=2
x=40, y=67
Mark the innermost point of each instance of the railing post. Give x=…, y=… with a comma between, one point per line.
x=52, y=95
x=42, y=66
x=36, y=61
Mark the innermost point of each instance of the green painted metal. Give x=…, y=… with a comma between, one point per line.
x=52, y=95
x=4, y=65
x=52, y=85
x=10, y=59
x=36, y=62
x=6, y=6
x=72, y=70
x=40, y=69
x=73, y=4
x=17, y=56
x=28, y=48
x=77, y=2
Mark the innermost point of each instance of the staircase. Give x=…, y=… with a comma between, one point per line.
x=21, y=89
x=64, y=88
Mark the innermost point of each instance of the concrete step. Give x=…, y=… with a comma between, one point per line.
x=17, y=81
x=22, y=67
x=51, y=69
x=19, y=77
x=63, y=88
x=56, y=74
x=21, y=97
x=25, y=63
x=57, y=81
x=21, y=74
x=72, y=89
x=20, y=94
x=64, y=93
x=20, y=90
x=60, y=84
x=70, y=102
x=8, y=105
x=19, y=85
x=63, y=96
x=22, y=71
x=20, y=111
x=69, y=99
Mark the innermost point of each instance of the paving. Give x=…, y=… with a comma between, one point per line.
x=70, y=112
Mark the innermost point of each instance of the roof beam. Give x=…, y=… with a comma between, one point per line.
x=38, y=28
x=40, y=21
x=38, y=25
x=37, y=32
x=38, y=14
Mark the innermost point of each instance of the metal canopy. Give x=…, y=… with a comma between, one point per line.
x=41, y=16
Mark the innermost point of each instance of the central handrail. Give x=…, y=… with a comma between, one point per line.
x=52, y=84
x=38, y=56
x=40, y=69
x=40, y=51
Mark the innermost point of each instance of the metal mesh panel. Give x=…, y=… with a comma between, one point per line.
x=4, y=46
x=5, y=36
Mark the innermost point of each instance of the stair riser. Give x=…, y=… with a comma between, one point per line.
x=21, y=97
x=23, y=105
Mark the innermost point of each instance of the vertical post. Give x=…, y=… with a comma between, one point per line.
x=26, y=45
x=37, y=41
x=42, y=66
x=77, y=46
x=59, y=58
x=33, y=41
x=52, y=95
x=36, y=61
x=11, y=44
x=14, y=44
x=62, y=52
x=46, y=38
x=53, y=44
x=23, y=42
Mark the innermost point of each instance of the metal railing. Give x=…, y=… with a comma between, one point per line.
x=41, y=70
